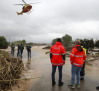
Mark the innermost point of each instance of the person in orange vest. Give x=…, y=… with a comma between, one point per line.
x=57, y=58
x=77, y=59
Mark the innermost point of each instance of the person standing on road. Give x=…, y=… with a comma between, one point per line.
x=28, y=47
x=77, y=59
x=12, y=49
x=82, y=72
x=22, y=48
x=19, y=50
x=57, y=58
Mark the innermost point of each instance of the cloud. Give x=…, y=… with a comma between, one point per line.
x=49, y=20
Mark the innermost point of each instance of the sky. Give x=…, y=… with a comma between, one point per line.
x=49, y=19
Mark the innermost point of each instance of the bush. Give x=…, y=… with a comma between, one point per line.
x=3, y=43
x=69, y=48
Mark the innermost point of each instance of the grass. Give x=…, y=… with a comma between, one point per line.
x=47, y=52
x=4, y=53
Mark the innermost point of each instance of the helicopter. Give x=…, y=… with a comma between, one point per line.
x=26, y=7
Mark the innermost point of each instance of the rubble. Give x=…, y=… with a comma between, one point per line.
x=10, y=70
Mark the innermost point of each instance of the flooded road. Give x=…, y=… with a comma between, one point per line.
x=44, y=68
x=39, y=65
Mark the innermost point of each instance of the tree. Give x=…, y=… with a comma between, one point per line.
x=3, y=42
x=23, y=41
x=19, y=42
x=88, y=43
x=54, y=41
x=67, y=40
x=97, y=43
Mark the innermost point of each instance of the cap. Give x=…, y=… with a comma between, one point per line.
x=59, y=40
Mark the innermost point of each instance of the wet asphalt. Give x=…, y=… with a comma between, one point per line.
x=43, y=66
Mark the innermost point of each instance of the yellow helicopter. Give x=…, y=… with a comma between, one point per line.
x=26, y=7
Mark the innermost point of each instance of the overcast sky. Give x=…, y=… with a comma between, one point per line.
x=49, y=20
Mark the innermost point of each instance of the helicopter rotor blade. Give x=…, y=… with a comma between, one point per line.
x=35, y=3
x=24, y=1
x=18, y=4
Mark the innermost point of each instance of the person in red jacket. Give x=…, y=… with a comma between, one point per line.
x=77, y=59
x=57, y=58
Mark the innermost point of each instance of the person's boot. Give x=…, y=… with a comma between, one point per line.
x=97, y=87
x=82, y=78
x=53, y=83
x=60, y=83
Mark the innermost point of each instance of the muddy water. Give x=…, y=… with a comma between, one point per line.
x=29, y=71
x=43, y=67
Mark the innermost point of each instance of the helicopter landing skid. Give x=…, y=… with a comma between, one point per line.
x=30, y=11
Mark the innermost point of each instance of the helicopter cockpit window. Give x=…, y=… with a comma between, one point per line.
x=23, y=7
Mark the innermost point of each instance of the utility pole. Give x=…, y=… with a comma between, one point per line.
x=9, y=40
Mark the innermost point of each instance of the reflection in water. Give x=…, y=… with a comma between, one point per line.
x=53, y=88
x=20, y=58
x=28, y=63
x=60, y=88
x=12, y=55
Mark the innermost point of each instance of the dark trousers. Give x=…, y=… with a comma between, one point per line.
x=82, y=72
x=29, y=53
x=18, y=53
x=12, y=52
x=21, y=52
x=54, y=70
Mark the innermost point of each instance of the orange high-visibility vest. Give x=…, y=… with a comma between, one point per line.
x=57, y=51
x=77, y=57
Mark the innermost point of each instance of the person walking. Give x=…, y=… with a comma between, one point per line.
x=22, y=48
x=28, y=47
x=82, y=72
x=57, y=58
x=19, y=50
x=77, y=59
x=12, y=49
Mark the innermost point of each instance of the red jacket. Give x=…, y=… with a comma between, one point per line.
x=77, y=56
x=57, y=54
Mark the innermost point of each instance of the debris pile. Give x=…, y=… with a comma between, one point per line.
x=10, y=70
